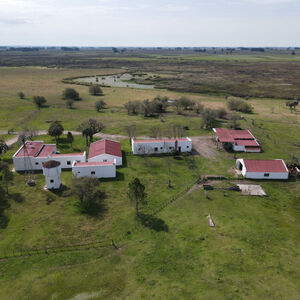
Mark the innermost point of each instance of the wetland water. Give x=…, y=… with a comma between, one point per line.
x=118, y=80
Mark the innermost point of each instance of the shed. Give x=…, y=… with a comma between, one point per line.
x=262, y=169
x=94, y=169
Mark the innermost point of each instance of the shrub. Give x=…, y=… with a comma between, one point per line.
x=70, y=93
x=239, y=105
x=99, y=105
x=95, y=90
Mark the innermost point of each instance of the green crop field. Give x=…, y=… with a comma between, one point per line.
x=50, y=250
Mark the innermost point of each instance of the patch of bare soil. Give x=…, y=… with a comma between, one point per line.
x=204, y=146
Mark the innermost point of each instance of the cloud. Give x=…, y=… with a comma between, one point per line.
x=174, y=8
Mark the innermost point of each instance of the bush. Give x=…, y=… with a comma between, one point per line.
x=99, y=105
x=208, y=118
x=95, y=90
x=221, y=113
x=70, y=93
x=239, y=105
x=39, y=101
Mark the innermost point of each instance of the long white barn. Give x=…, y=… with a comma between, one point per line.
x=141, y=147
x=94, y=169
x=32, y=155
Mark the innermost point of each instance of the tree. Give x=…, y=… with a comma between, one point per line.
x=70, y=93
x=100, y=104
x=186, y=103
x=132, y=107
x=70, y=103
x=239, y=105
x=7, y=175
x=86, y=191
x=198, y=108
x=55, y=130
x=3, y=147
x=131, y=131
x=137, y=194
x=70, y=138
x=95, y=90
x=89, y=128
x=208, y=118
x=21, y=95
x=234, y=122
x=39, y=101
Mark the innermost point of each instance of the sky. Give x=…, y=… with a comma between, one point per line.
x=165, y=23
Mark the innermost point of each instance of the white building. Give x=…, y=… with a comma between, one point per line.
x=262, y=169
x=105, y=151
x=52, y=171
x=161, y=146
x=94, y=169
x=31, y=156
x=240, y=140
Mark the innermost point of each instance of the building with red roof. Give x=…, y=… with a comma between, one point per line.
x=33, y=154
x=159, y=146
x=240, y=140
x=263, y=169
x=96, y=169
x=105, y=151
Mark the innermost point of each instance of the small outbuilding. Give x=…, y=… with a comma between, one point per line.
x=52, y=171
x=262, y=169
x=94, y=169
x=142, y=147
x=105, y=151
x=239, y=140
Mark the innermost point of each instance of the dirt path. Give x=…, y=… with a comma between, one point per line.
x=204, y=146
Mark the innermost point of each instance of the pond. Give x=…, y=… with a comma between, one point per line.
x=118, y=80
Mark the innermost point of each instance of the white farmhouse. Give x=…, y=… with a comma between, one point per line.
x=161, y=146
x=240, y=140
x=262, y=169
x=105, y=151
x=33, y=154
x=52, y=171
x=94, y=169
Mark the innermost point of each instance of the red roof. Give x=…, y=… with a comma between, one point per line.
x=229, y=136
x=96, y=163
x=265, y=166
x=30, y=149
x=105, y=147
x=247, y=143
x=47, y=150
x=162, y=141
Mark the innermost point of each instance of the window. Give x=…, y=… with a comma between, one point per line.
x=155, y=149
x=161, y=148
x=51, y=180
x=93, y=173
x=266, y=175
x=104, y=160
x=68, y=162
x=170, y=148
x=187, y=146
x=36, y=163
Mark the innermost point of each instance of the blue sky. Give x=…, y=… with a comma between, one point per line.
x=150, y=23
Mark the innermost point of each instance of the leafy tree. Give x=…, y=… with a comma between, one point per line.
x=21, y=95
x=70, y=93
x=70, y=103
x=7, y=175
x=89, y=128
x=198, y=108
x=186, y=103
x=131, y=131
x=137, y=194
x=95, y=90
x=55, y=130
x=239, y=105
x=234, y=122
x=208, y=118
x=70, y=138
x=39, y=101
x=132, y=107
x=87, y=193
x=100, y=104
x=3, y=147
x=221, y=113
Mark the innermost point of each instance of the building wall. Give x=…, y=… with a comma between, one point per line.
x=238, y=148
x=260, y=175
x=52, y=177
x=160, y=147
x=106, y=157
x=36, y=163
x=108, y=171
x=67, y=161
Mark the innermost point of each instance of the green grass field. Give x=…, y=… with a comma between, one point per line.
x=252, y=253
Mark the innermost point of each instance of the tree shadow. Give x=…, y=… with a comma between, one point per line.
x=4, y=219
x=153, y=222
x=63, y=191
x=124, y=159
